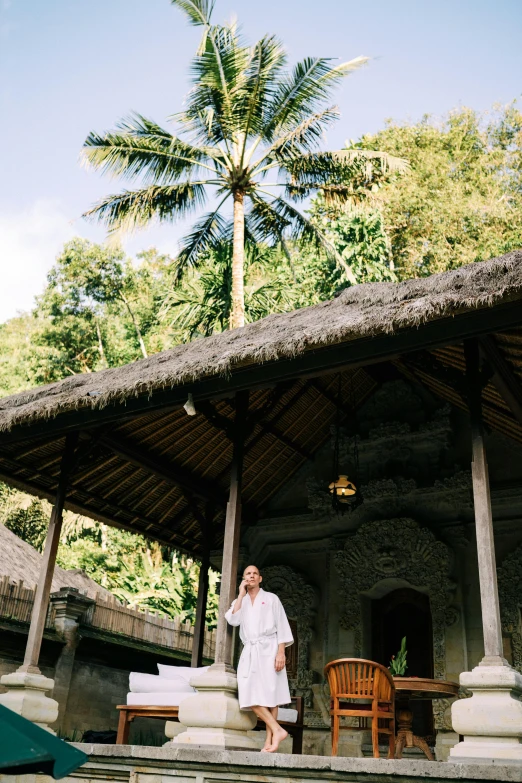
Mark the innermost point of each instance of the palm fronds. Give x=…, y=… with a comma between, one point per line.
x=206, y=235
x=247, y=116
x=198, y=12
x=134, y=209
x=141, y=148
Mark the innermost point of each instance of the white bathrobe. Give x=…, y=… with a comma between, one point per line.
x=263, y=626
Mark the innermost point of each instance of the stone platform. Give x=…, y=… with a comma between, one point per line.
x=143, y=764
x=139, y=764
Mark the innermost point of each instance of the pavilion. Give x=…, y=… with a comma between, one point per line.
x=223, y=449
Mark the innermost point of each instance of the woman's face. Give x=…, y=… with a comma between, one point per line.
x=252, y=577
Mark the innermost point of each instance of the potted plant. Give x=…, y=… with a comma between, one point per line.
x=398, y=664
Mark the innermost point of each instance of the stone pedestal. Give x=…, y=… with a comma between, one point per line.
x=69, y=605
x=444, y=742
x=212, y=715
x=491, y=720
x=26, y=696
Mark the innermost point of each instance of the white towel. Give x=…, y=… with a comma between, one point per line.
x=153, y=683
x=187, y=672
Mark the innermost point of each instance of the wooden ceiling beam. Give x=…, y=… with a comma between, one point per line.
x=278, y=415
x=227, y=425
x=267, y=426
x=328, y=395
x=164, y=470
x=498, y=419
x=504, y=378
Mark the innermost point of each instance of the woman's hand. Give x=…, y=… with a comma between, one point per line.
x=280, y=661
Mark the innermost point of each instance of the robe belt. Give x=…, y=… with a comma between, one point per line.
x=252, y=650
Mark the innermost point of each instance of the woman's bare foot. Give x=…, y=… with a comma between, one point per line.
x=278, y=736
x=268, y=742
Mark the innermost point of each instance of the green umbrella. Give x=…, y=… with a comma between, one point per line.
x=25, y=747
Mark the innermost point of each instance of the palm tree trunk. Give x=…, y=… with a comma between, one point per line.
x=101, y=349
x=237, y=314
x=136, y=326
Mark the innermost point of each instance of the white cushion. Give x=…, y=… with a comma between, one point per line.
x=156, y=699
x=153, y=683
x=171, y=672
x=287, y=714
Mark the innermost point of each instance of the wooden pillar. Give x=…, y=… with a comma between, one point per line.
x=224, y=637
x=201, y=606
x=43, y=589
x=492, y=630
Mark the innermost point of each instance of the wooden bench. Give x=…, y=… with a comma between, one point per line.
x=129, y=711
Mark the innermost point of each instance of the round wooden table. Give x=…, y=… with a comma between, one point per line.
x=408, y=689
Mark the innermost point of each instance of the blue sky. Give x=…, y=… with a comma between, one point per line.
x=70, y=66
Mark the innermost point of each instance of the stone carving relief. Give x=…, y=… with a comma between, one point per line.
x=381, y=488
x=442, y=710
x=509, y=575
x=459, y=482
x=393, y=400
x=398, y=548
x=299, y=600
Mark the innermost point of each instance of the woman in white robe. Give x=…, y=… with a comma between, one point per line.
x=261, y=674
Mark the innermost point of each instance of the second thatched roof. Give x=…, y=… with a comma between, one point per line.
x=22, y=563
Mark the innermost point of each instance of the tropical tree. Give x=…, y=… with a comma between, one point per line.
x=359, y=234
x=250, y=134
x=93, y=275
x=462, y=199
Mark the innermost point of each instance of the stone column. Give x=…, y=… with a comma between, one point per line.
x=26, y=687
x=212, y=716
x=491, y=720
x=69, y=605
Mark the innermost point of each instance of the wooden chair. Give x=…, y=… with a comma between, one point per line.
x=365, y=690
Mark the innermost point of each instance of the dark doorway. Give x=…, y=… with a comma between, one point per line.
x=406, y=612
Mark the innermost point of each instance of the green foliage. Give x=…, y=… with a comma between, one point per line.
x=18, y=354
x=25, y=516
x=462, y=199
x=398, y=664
x=138, y=571
x=359, y=236
x=202, y=304
x=98, y=310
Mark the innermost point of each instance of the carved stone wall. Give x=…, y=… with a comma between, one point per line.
x=298, y=599
x=398, y=548
x=509, y=575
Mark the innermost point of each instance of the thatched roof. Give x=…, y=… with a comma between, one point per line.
x=361, y=312
x=144, y=465
x=21, y=563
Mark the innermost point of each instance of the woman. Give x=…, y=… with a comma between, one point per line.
x=261, y=674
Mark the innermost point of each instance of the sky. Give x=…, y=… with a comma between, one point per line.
x=71, y=66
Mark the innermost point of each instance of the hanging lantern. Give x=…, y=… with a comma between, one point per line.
x=343, y=489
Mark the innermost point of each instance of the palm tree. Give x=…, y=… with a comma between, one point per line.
x=250, y=132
